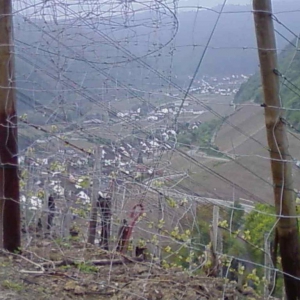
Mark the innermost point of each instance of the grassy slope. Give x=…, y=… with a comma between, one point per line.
x=289, y=65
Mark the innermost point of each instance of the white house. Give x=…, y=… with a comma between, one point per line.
x=84, y=197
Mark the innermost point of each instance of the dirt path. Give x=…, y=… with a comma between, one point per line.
x=205, y=156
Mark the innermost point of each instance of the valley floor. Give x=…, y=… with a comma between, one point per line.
x=244, y=170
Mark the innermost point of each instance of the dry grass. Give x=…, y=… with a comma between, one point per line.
x=40, y=274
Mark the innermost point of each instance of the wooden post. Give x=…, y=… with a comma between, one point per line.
x=29, y=187
x=215, y=269
x=67, y=217
x=94, y=208
x=159, y=217
x=10, y=231
x=267, y=273
x=284, y=194
x=44, y=208
x=216, y=212
x=105, y=207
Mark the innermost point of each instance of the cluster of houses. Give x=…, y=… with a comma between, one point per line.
x=125, y=158
x=225, y=86
x=172, y=108
x=195, y=125
x=65, y=174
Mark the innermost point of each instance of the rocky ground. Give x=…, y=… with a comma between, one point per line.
x=71, y=270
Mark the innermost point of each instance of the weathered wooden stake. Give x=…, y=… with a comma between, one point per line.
x=287, y=226
x=94, y=209
x=10, y=229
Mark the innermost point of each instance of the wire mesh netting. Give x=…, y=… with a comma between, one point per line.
x=144, y=166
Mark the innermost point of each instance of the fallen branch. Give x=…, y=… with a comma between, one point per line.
x=31, y=272
x=41, y=258
x=40, y=266
x=98, y=262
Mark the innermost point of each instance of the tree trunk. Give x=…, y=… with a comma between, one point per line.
x=94, y=208
x=287, y=226
x=9, y=177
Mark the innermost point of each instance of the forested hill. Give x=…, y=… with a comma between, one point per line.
x=289, y=67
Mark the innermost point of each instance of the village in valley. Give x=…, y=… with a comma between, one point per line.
x=128, y=157
x=150, y=150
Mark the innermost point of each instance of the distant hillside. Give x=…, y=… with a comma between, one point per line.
x=65, y=69
x=231, y=50
x=289, y=65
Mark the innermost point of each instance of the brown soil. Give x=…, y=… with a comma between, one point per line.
x=76, y=271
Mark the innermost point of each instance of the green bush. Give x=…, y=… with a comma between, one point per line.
x=289, y=66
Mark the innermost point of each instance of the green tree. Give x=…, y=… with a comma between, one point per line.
x=258, y=222
x=235, y=216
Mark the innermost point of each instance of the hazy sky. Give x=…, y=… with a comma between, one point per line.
x=216, y=2
x=210, y=3
x=66, y=8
